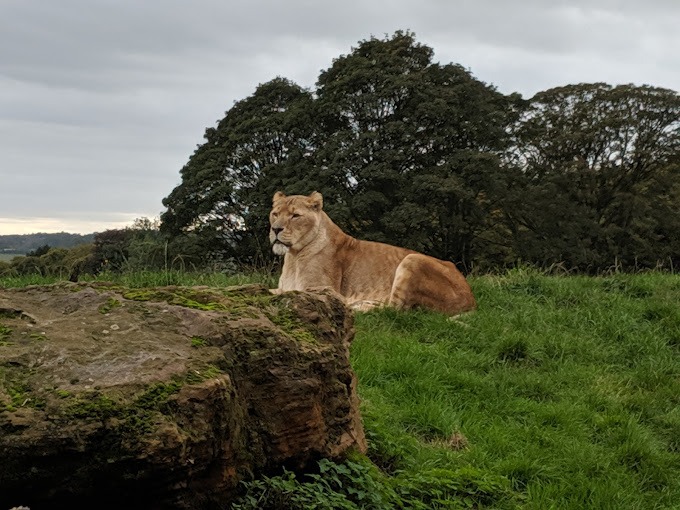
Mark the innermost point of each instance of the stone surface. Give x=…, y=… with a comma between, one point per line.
x=167, y=397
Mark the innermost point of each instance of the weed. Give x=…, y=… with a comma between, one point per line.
x=348, y=486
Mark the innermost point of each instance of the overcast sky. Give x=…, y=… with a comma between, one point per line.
x=103, y=101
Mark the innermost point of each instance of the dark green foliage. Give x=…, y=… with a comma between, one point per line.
x=142, y=246
x=39, y=251
x=356, y=484
x=136, y=248
x=597, y=177
x=111, y=249
x=49, y=262
x=227, y=185
x=345, y=486
x=418, y=142
x=420, y=154
x=403, y=149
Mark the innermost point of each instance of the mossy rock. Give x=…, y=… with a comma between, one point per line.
x=116, y=397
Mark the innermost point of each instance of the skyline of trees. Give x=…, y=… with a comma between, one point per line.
x=421, y=154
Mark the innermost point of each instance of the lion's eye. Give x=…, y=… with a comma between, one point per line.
x=296, y=215
x=275, y=215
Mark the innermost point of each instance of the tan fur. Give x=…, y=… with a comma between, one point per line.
x=317, y=253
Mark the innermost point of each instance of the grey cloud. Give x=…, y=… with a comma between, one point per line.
x=103, y=101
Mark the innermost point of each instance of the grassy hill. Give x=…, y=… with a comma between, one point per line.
x=558, y=392
x=20, y=244
x=567, y=387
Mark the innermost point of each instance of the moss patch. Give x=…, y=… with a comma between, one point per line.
x=189, y=298
x=239, y=302
x=103, y=407
x=110, y=304
x=292, y=325
x=127, y=422
x=17, y=391
x=197, y=341
x=203, y=374
x=5, y=332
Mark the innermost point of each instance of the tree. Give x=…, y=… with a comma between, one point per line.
x=417, y=144
x=592, y=160
x=227, y=185
x=39, y=251
x=424, y=155
x=110, y=251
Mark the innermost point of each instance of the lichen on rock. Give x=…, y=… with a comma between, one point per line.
x=167, y=397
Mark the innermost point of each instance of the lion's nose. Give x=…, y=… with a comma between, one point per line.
x=277, y=230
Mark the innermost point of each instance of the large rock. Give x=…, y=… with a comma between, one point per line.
x=167, y=397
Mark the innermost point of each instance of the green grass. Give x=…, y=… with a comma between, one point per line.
x=559, y=392
x=568, y=387
x=139, y=279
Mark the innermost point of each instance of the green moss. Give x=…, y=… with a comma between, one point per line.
x=110, y=304
x=19, y=391
x=197, y=341
x=142, y=295
x=136, y=416
x=98, y=407
x=283, y=315
x=238, y=302
x=292, y=325
x=37, y=336
x=5, y=332
x=181, y=297
x=258, y=299
x=155, y=396
x=127, y=422
x=18, y=394
x=203, y=374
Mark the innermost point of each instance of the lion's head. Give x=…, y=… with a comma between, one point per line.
x=294, y=221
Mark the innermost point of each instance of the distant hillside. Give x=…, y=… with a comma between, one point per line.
x=20, y=244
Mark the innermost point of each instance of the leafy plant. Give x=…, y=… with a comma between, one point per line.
x=346, y=486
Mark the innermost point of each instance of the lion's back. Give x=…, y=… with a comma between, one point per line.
x=368, y=269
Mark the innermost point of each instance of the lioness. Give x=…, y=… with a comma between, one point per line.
x=317, y=253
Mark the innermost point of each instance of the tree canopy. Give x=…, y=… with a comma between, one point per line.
x=597, y=178
x=424, y=155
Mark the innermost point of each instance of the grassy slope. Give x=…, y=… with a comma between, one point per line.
x=567, y=386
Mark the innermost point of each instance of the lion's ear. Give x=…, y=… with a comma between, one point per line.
x=316, y=201
x=278, y=196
